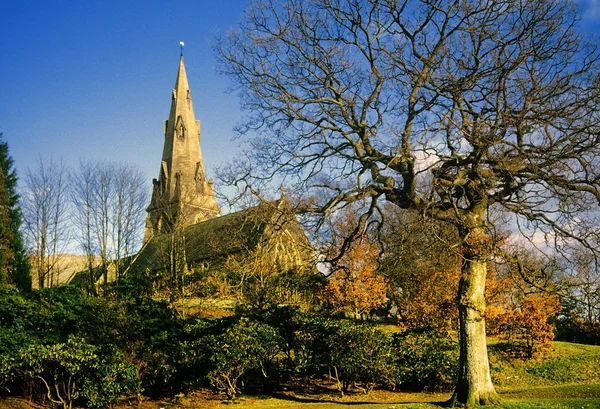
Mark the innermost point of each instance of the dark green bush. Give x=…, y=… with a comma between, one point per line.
x=75, y=370
x=571, y=328
x=41, y=345
x=67, y=310
x=302, y=340
x=17, y=318
x=354, y=353
x=139, y=345
x=360, y=354
x=425, y=360
x=248, y=345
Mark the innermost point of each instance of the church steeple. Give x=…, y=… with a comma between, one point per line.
x=181, y=195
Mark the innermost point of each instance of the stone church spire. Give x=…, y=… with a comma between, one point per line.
x=181, y=195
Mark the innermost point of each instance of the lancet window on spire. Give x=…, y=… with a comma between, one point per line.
x=180, y=128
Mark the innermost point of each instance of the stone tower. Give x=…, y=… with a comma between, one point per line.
x=181, y=195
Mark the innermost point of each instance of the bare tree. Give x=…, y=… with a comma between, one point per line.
x=583, y=286
x=128, y=214
x=109, y=201
x=83, y=182
x=174, y=217
x=102, y=196
x=451, y=108
x=45, y=203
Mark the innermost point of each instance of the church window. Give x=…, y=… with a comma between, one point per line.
x=179, y=128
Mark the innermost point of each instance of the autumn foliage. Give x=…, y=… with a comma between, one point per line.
x=428, y=299
x=525, y=326
x=422, y=274
x=355, y=287
x=520, y=314
x=355, y=284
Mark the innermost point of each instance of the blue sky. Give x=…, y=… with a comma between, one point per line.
x=92, y=79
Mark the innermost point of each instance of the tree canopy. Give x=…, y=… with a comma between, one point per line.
x=460, y=110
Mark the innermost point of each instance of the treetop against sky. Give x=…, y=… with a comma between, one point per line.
x=93, y=79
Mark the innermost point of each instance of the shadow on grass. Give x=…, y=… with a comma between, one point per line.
x=320, y=399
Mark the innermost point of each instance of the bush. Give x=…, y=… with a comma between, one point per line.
x=6, y=371
x=74, y=369
x=302, y=339
x=526, y=329
x=110, y=377
x=579, y=331
x=66, y=310
x=75, y=348
x=247, y=345
x=42, y=347
x=360, y=354
x=425, y=361
x=16, y=316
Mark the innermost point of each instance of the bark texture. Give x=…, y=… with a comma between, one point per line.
x=474, y=385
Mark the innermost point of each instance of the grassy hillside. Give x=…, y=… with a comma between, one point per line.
x=563, y=364
x=68, y=265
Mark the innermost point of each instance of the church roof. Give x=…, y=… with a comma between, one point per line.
x=215, y=239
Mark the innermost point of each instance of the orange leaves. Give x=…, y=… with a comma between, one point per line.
x=355, y=286
x=427, y=299
x=525, y=325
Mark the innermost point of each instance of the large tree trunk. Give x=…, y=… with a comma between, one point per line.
x=474, y=385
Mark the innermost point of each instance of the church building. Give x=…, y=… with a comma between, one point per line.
x=181, y=196
x=183, y=203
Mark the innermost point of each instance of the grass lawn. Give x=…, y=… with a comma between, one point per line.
x=558, y=396
x=552, y=397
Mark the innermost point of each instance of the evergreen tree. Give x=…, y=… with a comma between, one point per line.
x=14, y=263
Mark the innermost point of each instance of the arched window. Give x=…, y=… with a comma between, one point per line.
x=180, y=128
x=181, y=131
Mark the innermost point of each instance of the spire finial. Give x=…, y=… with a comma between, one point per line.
x=181, y=48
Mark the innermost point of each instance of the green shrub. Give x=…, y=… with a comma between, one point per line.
x=7, y=374
x=360, y=354
x=66, y=310
x=425, y=361
x=572, y=328
x=302, y=339
x=247, y=345
x=136, y=284
x=74, y=370
x=11, y=342
x=354, y=353
x=18, y=316
x=187, y=353
x=110, y=377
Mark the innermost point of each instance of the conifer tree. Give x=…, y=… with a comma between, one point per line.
x=14, y=263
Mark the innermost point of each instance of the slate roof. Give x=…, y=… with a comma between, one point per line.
x=240, y=232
